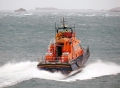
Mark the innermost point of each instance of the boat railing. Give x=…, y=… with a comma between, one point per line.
x=55, y=60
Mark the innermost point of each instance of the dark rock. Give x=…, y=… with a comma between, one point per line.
x=20, y=10
x=117, y=9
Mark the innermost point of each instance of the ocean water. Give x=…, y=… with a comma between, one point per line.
x=24, y=38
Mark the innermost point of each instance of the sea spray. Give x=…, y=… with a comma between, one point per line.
x=13, y=73
x=96, y=69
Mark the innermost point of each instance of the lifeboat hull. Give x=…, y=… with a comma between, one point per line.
x=66, y=68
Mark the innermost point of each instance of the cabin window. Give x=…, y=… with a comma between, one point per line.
x=62, y=44
x=70, y=43
x=76, y=47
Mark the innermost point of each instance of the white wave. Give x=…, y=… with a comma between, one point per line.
x=96, y=69
x=13, y=73
x=82, y=24
x=28, y=14
x=111, y=15
x=91, y=15
x=80, y=14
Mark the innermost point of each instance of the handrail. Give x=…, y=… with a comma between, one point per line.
x=43, y=61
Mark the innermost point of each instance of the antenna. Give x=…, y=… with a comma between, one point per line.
x=55, y=21
x=74, y=23
x=55, y=25
x=74, y=27
x=63, y=22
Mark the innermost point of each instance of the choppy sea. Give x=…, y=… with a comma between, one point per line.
x=24, y=38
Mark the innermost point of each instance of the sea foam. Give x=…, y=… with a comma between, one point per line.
x=13, y=73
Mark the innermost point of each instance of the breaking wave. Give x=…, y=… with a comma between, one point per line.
x=13, y=73
x=96, y=69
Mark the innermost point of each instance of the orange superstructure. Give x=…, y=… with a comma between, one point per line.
x=65, y=53
x=67, y=47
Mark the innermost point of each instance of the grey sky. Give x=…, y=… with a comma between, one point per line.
x=62, y=4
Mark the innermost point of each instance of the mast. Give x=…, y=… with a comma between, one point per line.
x=63, y=23
x=64, y=26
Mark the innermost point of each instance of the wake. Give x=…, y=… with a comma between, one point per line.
x=13, y=73
x=96, y=69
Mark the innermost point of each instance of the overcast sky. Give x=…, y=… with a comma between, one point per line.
x=61, y=4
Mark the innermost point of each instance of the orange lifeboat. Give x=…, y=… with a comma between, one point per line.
x=65, y=54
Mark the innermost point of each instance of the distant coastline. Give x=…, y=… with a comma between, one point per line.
x=117, y=9
x=46, y=8
x=20, y=10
